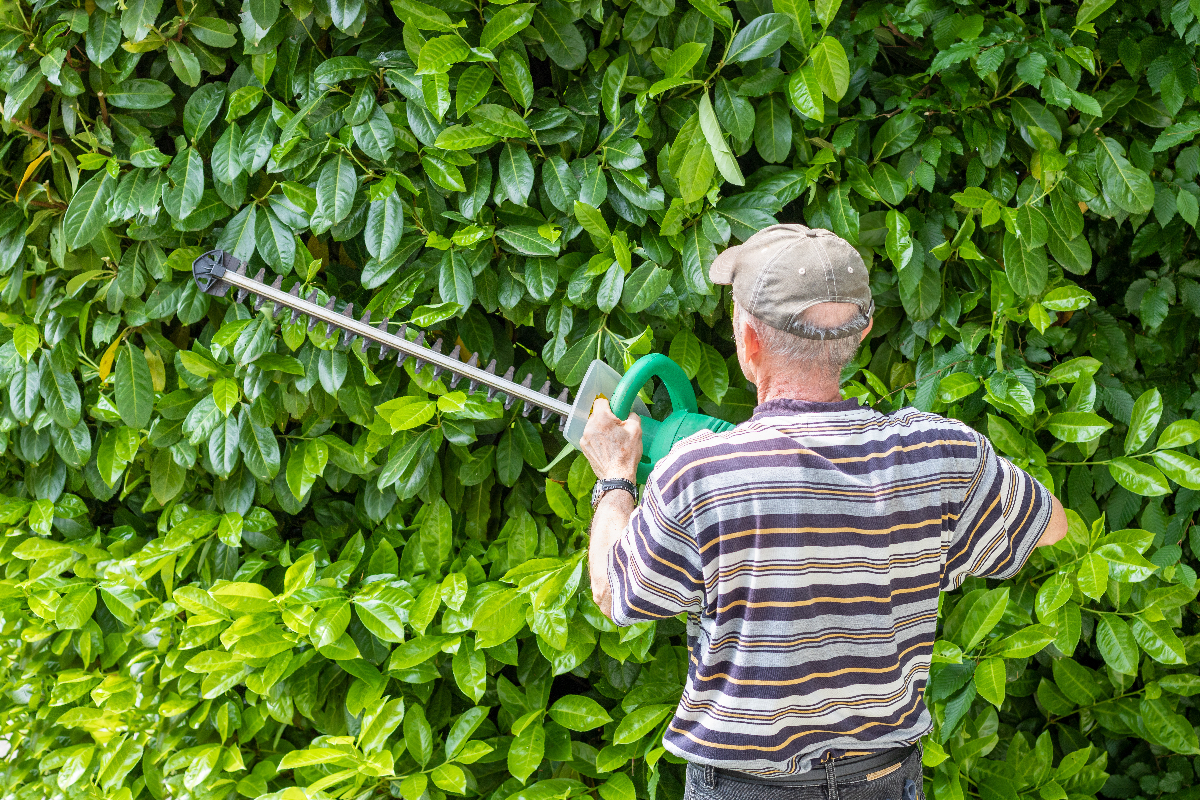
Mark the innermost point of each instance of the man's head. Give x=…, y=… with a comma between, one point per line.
x=802, y=303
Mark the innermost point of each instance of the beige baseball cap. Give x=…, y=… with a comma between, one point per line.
x=783, y=270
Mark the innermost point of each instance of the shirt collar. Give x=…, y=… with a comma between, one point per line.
x=786, y=407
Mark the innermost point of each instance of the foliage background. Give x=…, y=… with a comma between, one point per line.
x=244, y=559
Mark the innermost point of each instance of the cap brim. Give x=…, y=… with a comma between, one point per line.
x=721, y=271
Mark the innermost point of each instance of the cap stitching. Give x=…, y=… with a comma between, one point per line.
x=830, y=278
x=758, y=283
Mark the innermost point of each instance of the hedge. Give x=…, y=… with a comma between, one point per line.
x=244, y=558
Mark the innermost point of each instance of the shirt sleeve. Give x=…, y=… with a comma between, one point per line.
x=1004, y=514
x=654, y=568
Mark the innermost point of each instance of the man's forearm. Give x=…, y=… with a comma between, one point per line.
x=612, y=515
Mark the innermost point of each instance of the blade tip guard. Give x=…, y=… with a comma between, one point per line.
x=209, y=269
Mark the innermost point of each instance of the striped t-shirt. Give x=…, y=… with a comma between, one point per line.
x=807, y=547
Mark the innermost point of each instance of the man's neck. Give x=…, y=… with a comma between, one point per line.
x=815, y=391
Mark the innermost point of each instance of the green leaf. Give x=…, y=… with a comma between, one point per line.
x=1170, y=728
x=88, y=211
x=1138, y=477
x=1179, y=467
x=1027, y=269
x=578, y=713
x=982, y=617
x=640, y=722
x=761, y=37
x=133, y=388
x=422, y=16
x=990, y=679
x=1077, y=426
x=1071, y=371
x=507, y=22
x=827, y=10
x=500, y=121
x=1125, y=563
x=1117, y=646
x=832, y=67
x=1090, y=9
x=336, y=187
x=1146, y=413
x=526, y=751
x=804, y=89
x=722, y=155
x=1124, y=184
x=1159, y=641
x=561, y=40
x=440, y=53
x=896, y=135
x=140, y=93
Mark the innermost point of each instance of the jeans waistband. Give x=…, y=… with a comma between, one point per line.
x=846, y=767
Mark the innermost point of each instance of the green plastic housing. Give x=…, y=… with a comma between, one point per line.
x=659, y=437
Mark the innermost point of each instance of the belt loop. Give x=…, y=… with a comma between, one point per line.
x=710, y=776
x=831, y=780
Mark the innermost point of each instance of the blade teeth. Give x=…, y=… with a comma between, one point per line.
x=473, y=361
x=382, y=327
x=241, y=295
x=294, y=292
x=491, y=368
x=437, y=370
x=365, y=320
x=312, y=298
x=454, y=376
x=401, y=356
x=259, y=279
x=347, y=336
x=241, y=268
x=562, y=398
x=508, y=399
x=420, y=342
x=329, y=329
x=276, y=284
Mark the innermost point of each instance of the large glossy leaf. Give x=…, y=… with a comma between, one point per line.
x=89, y=209
x=763, y=36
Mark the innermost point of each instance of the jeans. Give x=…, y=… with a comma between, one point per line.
x=903, y=782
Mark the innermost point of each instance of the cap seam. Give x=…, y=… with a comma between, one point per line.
x=758, y=283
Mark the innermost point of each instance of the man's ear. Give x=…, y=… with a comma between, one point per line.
x=867, y=330
x=751, y=348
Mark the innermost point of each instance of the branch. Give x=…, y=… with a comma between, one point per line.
x=28, y=129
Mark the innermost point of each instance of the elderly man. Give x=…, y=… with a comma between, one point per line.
x=807, y=546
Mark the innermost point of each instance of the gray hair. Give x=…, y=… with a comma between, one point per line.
x=828, y=348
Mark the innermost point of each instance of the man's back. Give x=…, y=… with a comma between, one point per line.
x=808, y=547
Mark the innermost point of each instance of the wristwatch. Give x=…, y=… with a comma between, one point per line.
x=605, y=485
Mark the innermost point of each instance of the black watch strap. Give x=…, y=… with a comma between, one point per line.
x=605, y=485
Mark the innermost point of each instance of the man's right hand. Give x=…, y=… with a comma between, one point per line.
x=611, y=446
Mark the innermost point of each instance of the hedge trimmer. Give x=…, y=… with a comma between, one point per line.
x=216, y=271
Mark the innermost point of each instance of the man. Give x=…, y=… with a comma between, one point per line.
x=807, y=545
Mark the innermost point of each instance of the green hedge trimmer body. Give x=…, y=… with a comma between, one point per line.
x=216, y=271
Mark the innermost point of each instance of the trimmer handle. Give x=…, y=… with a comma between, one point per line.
x=656, y=365
x=659, y=437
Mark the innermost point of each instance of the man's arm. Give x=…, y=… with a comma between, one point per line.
x=613, y=448
x=1057, y=528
